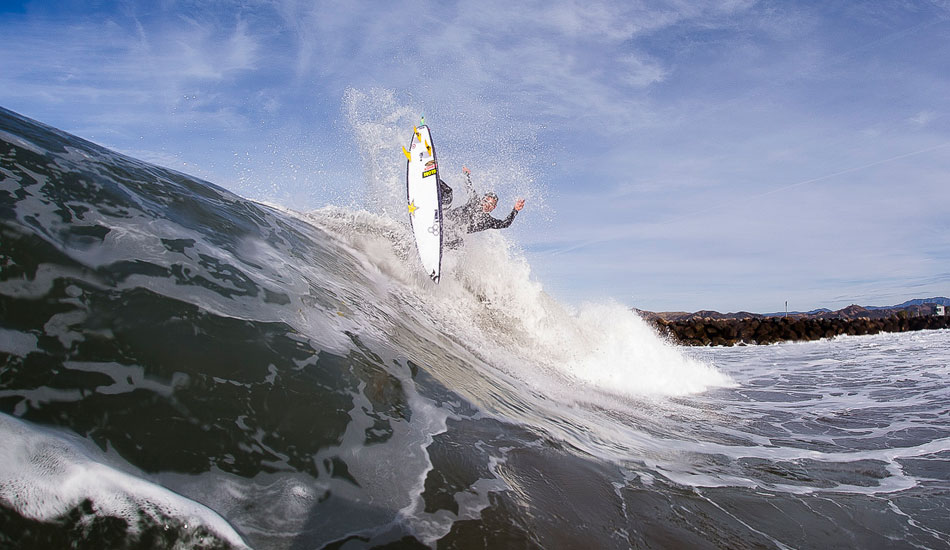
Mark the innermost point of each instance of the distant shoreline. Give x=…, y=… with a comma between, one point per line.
x=711, y=328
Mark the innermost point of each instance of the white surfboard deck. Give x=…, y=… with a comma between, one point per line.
x=423, y=198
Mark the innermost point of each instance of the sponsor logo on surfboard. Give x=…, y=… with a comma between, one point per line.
x=430, y=164
x=428, y=173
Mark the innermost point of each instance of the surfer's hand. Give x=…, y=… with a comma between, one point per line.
x=519, y=204
x=466, y=171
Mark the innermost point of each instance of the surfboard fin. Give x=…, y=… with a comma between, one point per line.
x=428, y=148
x=408, y=156
x=418, y=135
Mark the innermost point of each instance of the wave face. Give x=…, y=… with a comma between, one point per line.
x=181, y=367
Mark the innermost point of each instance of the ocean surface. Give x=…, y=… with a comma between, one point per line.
x=184, y=368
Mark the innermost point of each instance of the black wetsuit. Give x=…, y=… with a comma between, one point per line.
x=470, y=216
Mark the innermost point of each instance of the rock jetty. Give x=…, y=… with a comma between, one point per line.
x=707, y=328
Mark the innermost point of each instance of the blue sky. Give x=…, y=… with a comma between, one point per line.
x=676, y=155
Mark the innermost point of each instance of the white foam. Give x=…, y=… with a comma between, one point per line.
x=17, y=343
x=43, y=475
x=602, y=345
x=876, y=402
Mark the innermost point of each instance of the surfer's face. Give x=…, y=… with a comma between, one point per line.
x=488, y=204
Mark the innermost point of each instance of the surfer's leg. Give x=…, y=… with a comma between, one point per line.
x=453, y=243
x=445, y=192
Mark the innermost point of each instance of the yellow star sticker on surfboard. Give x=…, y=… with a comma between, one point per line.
x=413, y=208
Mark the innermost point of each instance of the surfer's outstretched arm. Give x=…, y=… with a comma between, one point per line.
x=469, y=186
x=494, y=223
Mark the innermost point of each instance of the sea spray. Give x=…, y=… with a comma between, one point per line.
x=488, y=298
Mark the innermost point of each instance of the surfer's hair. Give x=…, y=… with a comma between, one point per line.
x=491, y=195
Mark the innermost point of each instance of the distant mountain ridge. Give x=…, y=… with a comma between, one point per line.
x=917, y=302
x=917, y=307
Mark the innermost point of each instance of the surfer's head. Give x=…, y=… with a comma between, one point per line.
x=489, y=202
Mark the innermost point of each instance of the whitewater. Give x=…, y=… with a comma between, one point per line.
x=184, y=368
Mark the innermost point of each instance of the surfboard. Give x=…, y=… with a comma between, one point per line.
x=424, y=200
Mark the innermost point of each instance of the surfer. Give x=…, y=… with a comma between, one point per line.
x=474, y=215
